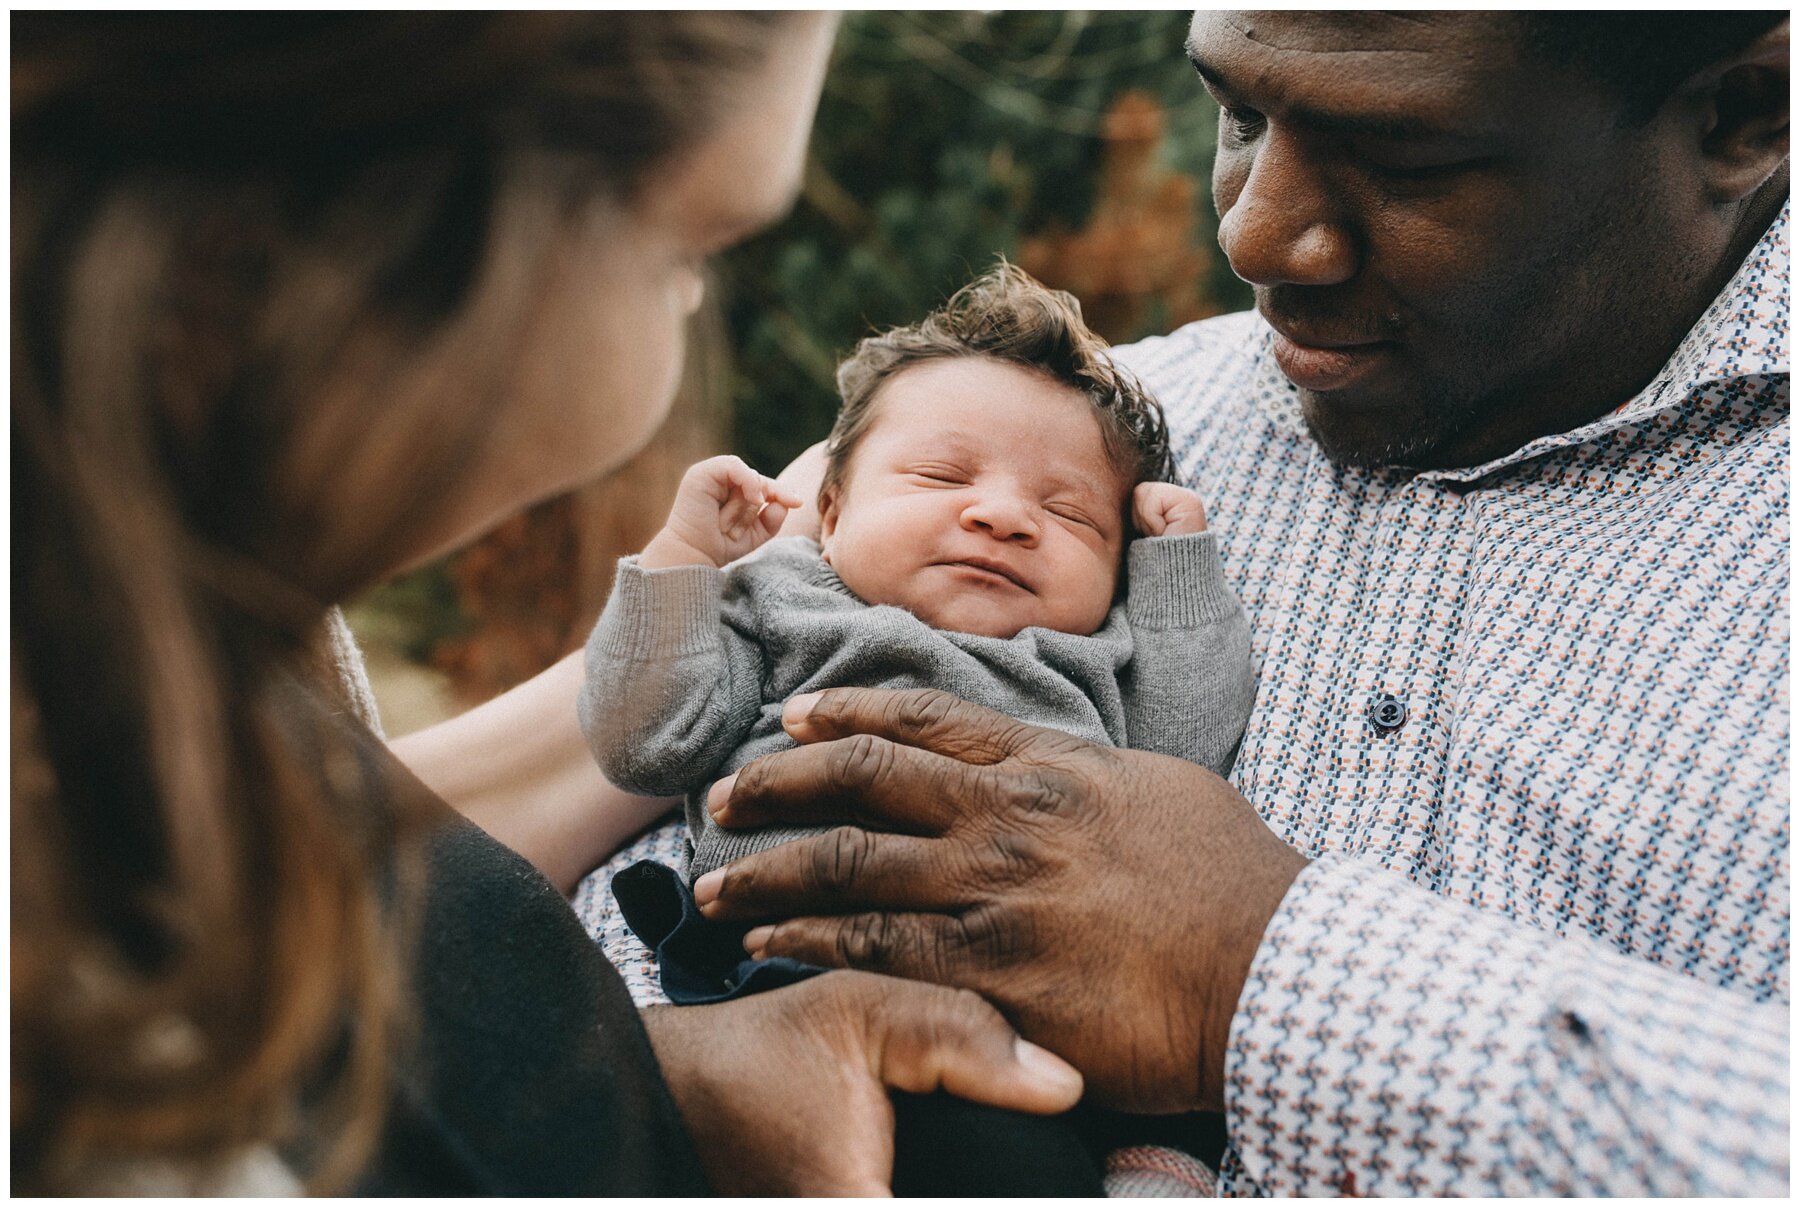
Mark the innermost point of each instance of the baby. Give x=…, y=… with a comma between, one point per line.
x=996, y=521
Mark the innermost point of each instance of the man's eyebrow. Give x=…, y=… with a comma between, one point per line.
x=1352, y=125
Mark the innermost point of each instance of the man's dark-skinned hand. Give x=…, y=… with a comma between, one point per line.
x=1108, y=901
x=785, y=1093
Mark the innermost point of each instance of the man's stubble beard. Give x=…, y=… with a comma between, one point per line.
x=1414, y=438
x=1507, y=383
x=1536, y=354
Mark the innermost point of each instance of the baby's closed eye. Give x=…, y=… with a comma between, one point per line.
x=939, y=475
x=1071, y=513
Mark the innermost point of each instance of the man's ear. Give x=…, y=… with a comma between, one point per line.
x=1745, y=99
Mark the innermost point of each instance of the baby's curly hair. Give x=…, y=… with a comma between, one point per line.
x=1006, y=315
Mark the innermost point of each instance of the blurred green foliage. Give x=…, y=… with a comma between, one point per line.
x=943, y=138
x=412, y=614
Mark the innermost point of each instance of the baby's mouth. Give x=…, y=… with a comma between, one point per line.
x=994, y=569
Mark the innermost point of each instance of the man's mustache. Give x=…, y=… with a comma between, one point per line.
x=1326, y=318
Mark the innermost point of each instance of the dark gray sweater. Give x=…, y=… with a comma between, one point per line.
x=689, y=667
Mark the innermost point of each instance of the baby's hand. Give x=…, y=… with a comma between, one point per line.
x=722, y=511
x=1162, y=509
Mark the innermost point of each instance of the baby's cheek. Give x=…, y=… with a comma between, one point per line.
x=1107, y=587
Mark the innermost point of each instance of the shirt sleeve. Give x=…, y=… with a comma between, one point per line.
x=1392, y=1042
x=1189, y=687
x=671, y=690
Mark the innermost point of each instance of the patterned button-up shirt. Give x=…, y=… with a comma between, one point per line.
x=1544, y=945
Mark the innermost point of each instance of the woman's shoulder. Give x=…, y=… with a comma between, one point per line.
x=345, y=670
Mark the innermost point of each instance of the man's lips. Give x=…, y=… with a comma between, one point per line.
x=1322, y=364
x=990, y=569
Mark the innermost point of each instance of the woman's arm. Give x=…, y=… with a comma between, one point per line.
x=519, y=768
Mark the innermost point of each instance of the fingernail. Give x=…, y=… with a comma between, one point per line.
x=1044, y=1067
x=798, y=708
x=756, y=937
x=719, y=794
x=707, y=887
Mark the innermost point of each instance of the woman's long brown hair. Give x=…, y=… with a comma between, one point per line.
x=269, y=273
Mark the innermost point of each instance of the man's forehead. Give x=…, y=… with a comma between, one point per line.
x=1449, y=34
x=1421, y=65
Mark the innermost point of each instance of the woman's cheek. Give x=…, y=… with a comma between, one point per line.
x=658, y=356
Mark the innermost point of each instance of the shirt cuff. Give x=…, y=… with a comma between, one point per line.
x=1177, y=583
x=658, y=614
x=1391, y=1041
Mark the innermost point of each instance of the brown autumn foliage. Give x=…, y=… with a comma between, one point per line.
x=1136, y=265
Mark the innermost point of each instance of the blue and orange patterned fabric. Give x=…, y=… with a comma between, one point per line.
x=1544, y=946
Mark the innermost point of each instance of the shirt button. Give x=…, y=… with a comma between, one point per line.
x=1387, y=713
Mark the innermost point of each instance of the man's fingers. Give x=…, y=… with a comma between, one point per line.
x=921, y=717
x=844, y=869
x=864, y=780
x=947, y=949
x=926, y=1038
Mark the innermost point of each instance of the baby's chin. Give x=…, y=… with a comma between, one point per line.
x=981, y=615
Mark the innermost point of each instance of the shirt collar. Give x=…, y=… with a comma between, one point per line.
x=1743, y=334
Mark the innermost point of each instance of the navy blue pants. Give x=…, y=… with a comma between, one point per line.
x=942, y=1145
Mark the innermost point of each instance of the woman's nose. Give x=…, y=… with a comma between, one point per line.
x=1283, y=228
x=1003, y=516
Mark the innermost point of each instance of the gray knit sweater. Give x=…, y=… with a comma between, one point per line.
x=689, y=667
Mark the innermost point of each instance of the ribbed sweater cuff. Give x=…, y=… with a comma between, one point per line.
x=715, y=847
x=1177, y=582
x=659, y=614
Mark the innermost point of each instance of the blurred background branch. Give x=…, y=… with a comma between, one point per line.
x=1076, y=144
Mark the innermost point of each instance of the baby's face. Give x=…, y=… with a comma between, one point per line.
x=981, y=500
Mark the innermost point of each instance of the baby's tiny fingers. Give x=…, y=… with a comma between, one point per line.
x=1145, y=512
x=771, y=516
x=746, y=480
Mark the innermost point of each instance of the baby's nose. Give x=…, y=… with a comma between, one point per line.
x=1002, y=516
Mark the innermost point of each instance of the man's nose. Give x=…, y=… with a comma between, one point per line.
x=1002, y=516
x=1283, y=227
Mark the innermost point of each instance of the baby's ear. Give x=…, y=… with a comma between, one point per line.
x=828, y=518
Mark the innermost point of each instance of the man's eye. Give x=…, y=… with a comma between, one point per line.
x=1240, y=125
x=1424, y=172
